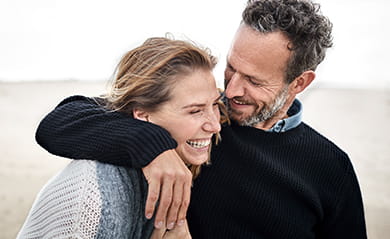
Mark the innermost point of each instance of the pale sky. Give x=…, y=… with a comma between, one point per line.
x=84, y=39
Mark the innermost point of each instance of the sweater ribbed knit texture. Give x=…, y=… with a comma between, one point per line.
x=295, y=184
x=80, y=129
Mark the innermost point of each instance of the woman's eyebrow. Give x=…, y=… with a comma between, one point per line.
x=200, y=104
x=193, y=105
x=218, y=98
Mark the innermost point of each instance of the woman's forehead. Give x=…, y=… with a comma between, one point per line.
x=198, y=87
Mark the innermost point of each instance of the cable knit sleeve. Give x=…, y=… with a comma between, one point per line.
x=79, y=128
x=88, y=200
x=68, y=206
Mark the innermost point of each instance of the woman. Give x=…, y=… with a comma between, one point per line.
x=165, y=82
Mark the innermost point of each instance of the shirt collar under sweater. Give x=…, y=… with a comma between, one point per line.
x=294, y=118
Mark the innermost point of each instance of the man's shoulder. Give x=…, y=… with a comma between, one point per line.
x=319, y=137
x=324, y=146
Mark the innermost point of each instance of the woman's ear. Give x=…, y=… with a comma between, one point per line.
x=301, y=82
x=140, y=115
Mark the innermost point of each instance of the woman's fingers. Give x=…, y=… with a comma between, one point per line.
x=169, y=182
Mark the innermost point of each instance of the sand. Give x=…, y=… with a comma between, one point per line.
x=356, y=120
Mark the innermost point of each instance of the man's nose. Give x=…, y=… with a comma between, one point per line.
x=234, y=87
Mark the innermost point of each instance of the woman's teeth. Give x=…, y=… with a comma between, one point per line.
x=199, y=143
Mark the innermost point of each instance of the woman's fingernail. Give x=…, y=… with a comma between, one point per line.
x=158, y=224
x=180, y=223
x=170, y=226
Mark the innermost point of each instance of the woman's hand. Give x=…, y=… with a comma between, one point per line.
x=178, y=232
x=170, y=182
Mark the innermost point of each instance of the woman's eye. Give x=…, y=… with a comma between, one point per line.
x=194, y=111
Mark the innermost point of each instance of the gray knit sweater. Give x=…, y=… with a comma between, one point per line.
x=88, y=199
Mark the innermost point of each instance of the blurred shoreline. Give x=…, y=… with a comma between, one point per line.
x=355, y=119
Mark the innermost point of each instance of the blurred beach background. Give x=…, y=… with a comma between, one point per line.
x=51, y=49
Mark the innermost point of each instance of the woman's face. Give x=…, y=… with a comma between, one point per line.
x=191, y=116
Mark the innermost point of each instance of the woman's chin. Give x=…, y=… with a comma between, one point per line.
x=195, y=156
x=197, y=160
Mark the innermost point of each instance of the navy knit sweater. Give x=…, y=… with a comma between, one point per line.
x=276, y=185
x=295, y=184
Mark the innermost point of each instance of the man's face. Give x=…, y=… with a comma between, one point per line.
x=254, y=76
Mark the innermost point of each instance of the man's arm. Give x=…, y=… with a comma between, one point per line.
x=347, y=219
x=80, y=128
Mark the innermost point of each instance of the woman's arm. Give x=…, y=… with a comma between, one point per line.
x=79, y=128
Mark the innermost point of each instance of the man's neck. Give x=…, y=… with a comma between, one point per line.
x=279, y=115
x=268, y=124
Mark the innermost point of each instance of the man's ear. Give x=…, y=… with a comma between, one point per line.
x=301, y=82
x=140, y=115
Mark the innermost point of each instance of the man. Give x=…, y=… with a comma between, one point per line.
x=271, y=176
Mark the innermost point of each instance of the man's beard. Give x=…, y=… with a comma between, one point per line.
x=266, y=113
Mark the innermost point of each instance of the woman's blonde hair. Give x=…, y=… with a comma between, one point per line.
x=145, y=76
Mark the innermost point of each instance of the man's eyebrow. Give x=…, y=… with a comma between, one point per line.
x=248, y=76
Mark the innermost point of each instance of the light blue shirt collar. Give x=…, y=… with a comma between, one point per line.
x=294, y=118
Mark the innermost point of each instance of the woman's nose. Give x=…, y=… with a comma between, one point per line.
x=212, y=124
